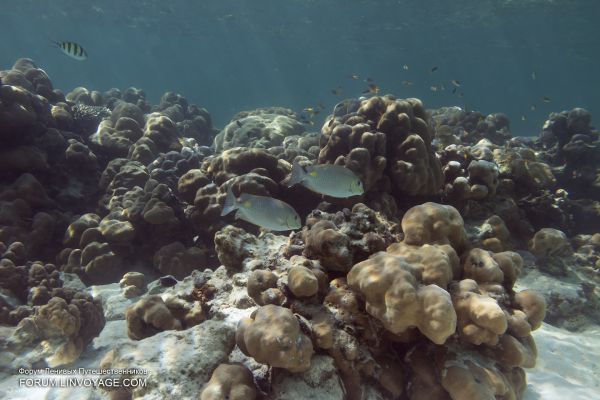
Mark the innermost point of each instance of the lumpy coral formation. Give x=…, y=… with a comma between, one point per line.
x=387, y=143
x=272, y=336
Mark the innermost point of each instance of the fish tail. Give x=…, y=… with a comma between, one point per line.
x=298, y=175
x=230, y=203
x=54, y=43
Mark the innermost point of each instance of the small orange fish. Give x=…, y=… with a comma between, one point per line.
x=372, y=89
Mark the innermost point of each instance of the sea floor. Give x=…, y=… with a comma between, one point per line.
x=568, y=363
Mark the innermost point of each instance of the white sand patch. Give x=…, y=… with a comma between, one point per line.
x=568, y=365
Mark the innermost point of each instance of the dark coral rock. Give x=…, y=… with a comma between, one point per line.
x=387, y=142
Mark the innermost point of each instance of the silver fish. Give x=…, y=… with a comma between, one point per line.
x=331, y=180
x=263, y=211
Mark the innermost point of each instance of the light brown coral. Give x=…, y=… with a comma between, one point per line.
x=272, y=336
x=262, y=288
x=149, y=316
x=438, y=264
x=548, y=243
x=230, y=382
x=302, y=281
x=434, y=223
x=533, y=305
x=394, y=295
x=468, y=377
x=480, y=318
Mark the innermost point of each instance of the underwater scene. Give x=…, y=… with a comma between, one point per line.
x=300, y=199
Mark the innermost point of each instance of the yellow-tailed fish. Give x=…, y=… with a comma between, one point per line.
x=455, y=82
x=72, y=49
x=546, y=99
x=331, y=180
x=266, y=212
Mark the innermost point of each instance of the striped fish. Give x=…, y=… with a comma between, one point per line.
x=72, y=49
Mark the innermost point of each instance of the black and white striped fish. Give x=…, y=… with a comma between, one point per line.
x=72, y=49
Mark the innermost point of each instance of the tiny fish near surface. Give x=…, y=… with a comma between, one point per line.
x=72, y=49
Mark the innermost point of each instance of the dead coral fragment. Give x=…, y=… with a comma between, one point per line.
x=272, y=336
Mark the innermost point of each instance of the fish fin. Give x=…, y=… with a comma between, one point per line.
x=230, y=203
x=238, y=214
x=298, y=175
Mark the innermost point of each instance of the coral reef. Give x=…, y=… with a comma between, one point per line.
x=430, y=285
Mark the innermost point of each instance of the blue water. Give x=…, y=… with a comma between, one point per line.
x=233, y=55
